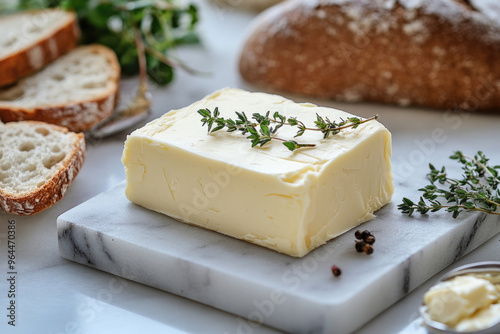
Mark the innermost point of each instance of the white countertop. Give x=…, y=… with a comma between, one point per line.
x=54, y=295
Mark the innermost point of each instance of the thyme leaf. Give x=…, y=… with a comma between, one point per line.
x=477, y=190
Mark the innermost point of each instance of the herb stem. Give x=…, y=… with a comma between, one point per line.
x=141, y=55
x=468, y=209
x=299, y=145
x=486, y=170
x=173, y=62
x=329, y=129
x=261, y=132
x=476, y=191
x=348, y=125
x=492, y=202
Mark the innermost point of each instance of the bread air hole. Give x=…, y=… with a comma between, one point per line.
x=6, y=166
x=34, y=28
x=58, y=77
x=11, y=39
x=12, y=94
x=25, y=147
x=90, y=85
x=30, y=168
x=53, y=160
x=42, y=131
x=56, y=149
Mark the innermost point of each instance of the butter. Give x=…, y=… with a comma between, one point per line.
x=465, y=303
x=291, y=202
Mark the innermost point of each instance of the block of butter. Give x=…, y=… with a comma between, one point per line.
x=291, y=202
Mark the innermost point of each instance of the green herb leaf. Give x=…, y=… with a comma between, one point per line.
x=291, y=145
x=478, y=190
x=162, y=26
x=267, y=133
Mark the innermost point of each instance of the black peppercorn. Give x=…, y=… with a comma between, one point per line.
x=336, y=271
x=368, y=249
x=360, y=246
x=365, y=234
x=370, y=240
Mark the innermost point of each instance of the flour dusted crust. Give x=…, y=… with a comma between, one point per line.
x=433, y=53
x=37, y=199
x=31, y=56
x=78, y=114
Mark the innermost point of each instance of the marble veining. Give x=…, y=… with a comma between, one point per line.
x=467, y=238
x=296, y=295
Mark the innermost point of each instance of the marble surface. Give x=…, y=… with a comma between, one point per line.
x=55, y=295
x=295, y=295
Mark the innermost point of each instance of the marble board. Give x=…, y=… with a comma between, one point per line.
x=295, y=295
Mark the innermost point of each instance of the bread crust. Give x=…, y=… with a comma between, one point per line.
x=78, y=116
x=366, y=50
x=49, y=48
x=36, y=200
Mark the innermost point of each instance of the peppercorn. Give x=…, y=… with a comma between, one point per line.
x=365, y=234
x=368, y=249
x=336, y=271
x=370, y=240
x=360, y=246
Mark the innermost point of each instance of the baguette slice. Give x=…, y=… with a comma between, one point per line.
x=38, y=162
x=32, y=39
x=77, y=91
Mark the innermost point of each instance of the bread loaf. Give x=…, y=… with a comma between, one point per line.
x=38, y=162
x=433, y=53
x=30, y=40
x=76, y=91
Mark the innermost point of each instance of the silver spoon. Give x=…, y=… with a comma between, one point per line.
x=478, y=267
x=137, y=111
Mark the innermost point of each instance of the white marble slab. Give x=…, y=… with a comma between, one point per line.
x=295, y=295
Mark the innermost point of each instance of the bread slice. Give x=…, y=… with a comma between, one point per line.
x=432, y=53
x=32, y=39
x=38, y=162
x=77, y=91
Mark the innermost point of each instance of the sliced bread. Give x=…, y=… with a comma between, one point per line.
x=38, y=162
x=77, y=91
x=32, y=39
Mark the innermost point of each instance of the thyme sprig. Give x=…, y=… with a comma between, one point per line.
x=265, y=127
x=478, y=190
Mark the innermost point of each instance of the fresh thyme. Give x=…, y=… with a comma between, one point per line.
x=161, y=25
x=477, y=191
x=265, y=127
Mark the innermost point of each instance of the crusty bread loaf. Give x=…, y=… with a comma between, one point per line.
x=30, y=40
x=77, y=91
x=255, y=5
x=38, y=162
x=433, y=53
